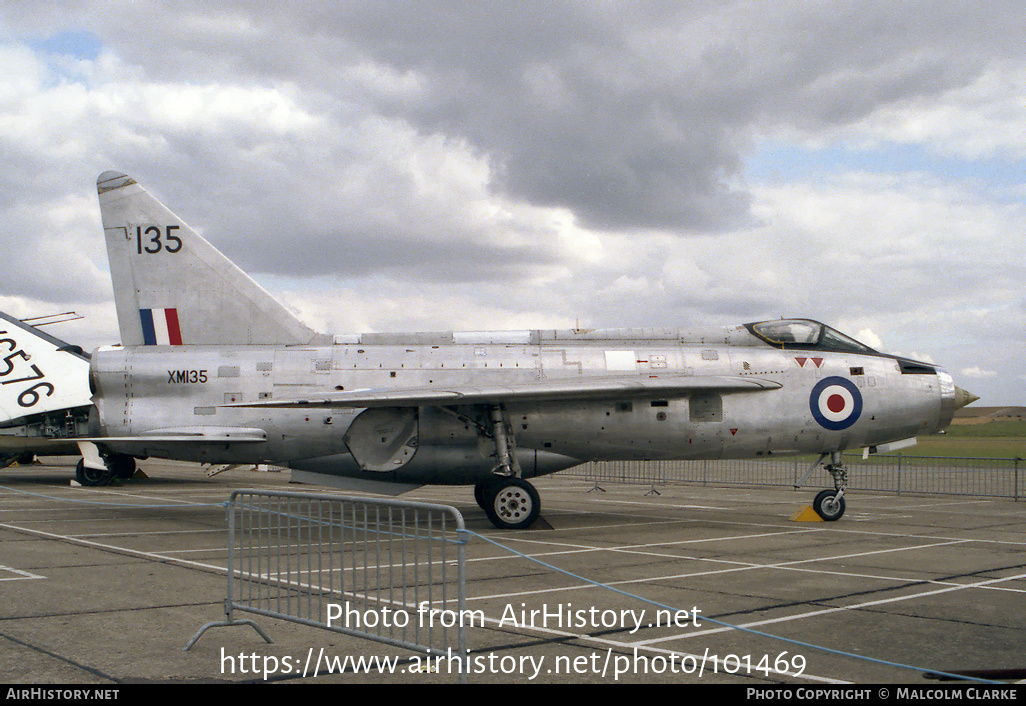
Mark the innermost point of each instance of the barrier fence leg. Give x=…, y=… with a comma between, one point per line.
x=230, y=622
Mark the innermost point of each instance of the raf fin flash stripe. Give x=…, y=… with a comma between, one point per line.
x=160, y=327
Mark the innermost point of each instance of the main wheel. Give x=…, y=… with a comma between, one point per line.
x=122, y=466
x=91, y=477
x=512, y=503
x=482, y=493
x=828, y=506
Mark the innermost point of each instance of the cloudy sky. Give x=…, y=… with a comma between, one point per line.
x=532, y=164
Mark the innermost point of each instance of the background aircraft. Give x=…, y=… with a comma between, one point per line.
x=44, y=393
x=213, y=369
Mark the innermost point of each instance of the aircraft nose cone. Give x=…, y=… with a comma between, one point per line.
x=963, y=398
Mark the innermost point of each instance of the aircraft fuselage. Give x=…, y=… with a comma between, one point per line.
x=802, y=400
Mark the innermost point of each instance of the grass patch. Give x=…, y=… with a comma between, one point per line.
x=968, y=447
x=1012, y=428
x=1001, y=439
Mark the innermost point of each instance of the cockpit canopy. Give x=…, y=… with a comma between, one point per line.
x=805, y=334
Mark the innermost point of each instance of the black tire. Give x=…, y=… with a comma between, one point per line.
x=482, y=491
x=91, y=477
x=22, y=459
x=121, y=466
x=512, y=503
x=828, y=506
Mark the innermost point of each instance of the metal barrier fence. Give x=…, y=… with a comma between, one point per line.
x=385, y=570
x=993, y=477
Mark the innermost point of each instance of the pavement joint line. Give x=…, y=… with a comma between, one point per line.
x=144, y=534
x=598, y=527
x=781, y=533
x=748, y=500
x=837, y=609
x=740, y=566
x=629, y=646
x=54, y=655
x=634, y=548
x=834, y=529
x=68, y=520
x=136, y=496
x=743, y=567
x=118, y=550
x=783, y=567
x=947, y=522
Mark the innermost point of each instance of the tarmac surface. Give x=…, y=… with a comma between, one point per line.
x=105, y=586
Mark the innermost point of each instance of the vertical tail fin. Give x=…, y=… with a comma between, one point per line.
x=172, y=287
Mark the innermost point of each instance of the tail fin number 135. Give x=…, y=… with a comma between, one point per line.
x=153, y=239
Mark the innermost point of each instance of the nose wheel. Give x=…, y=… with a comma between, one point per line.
x=829, y=504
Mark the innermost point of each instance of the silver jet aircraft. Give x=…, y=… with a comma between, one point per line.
x=212, y=369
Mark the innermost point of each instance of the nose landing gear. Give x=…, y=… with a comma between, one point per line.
x=829, y=504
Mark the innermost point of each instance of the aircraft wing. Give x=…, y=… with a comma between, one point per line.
x=614, y=387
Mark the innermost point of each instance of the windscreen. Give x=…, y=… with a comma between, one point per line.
x=805, y=334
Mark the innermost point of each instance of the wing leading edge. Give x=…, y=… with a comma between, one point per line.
x=618, y=387
x=191, y=435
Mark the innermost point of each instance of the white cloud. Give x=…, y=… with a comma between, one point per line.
x=517, y=165
x=984, y=119
x=870, y=339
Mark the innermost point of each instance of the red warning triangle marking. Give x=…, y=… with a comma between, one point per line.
x=733, y=432
x=801, y=362
x=818, y=362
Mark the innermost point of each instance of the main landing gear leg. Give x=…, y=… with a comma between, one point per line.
x=92, y=477
x=95, y=469
x=508, y=465
x=509, y=501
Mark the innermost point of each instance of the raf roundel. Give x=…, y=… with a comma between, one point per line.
x=835, y=403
